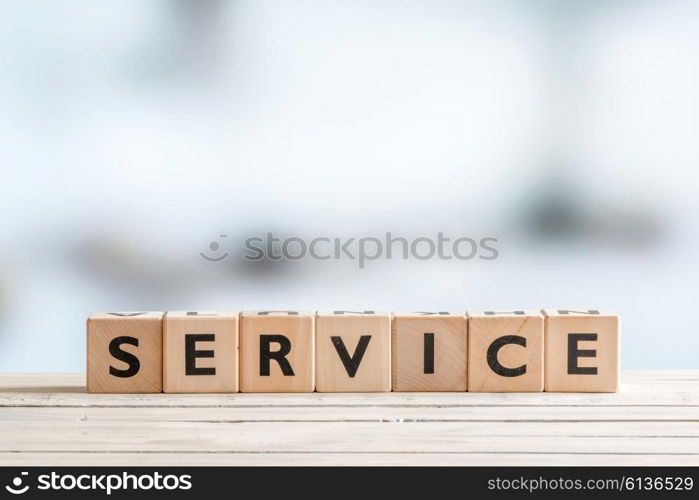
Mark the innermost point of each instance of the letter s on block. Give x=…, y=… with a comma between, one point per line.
x=118, y=353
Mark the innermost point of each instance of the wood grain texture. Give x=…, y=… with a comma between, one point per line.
x=51, y=420
x=596, y=362
x=446, y=363
x=297, y=328
x=107, y=374
x=219, y=326
x=373, y=371
x=522, y=366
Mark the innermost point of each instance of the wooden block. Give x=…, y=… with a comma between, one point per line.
x=125, y=352
x=200, y=351
x=428, y=351
x=582, y=350
x=505, y=351
x=353, y=351
x=277, y=351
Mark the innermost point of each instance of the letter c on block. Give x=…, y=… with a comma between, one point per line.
x=494, y=349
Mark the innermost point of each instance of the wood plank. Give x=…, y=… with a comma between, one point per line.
x=676, y=399
x=319, y=437
x=668, y=394
x=389, y=414
x=50, y=420
x=339, y=459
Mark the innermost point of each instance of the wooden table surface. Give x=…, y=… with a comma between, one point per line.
x=50, y=420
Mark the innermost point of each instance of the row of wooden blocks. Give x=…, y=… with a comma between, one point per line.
x=353, y=351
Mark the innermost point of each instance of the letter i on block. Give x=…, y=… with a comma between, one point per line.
x=277, y=351
x=582, y=350
x=200, y=351
x=353, y=351
x=505, y=351
x=429, y=351
x=125, y=352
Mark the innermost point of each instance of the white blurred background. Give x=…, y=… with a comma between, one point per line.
x=134, y=133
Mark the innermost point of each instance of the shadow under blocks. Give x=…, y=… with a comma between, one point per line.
x=554, y=350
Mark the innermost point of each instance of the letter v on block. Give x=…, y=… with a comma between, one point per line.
x=351, y=363
x=353, y=351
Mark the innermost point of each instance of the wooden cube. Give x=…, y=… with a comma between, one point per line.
x=582, y=350
x=200, y=351
x=353, y=351
x=125, y=352
x=277, y=351
x=429, y=351
x=505, y=351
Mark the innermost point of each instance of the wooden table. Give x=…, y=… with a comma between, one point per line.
x=50, y=420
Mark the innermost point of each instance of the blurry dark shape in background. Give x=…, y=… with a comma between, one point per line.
x=560, y=210
x=190, y=45
x=124, y=260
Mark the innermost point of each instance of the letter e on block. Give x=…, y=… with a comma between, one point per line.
x=582, y=350
x=200, y=351
x=125, y=352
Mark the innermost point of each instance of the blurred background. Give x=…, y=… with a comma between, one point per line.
x=134, y=133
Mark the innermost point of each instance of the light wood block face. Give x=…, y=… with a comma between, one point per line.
x=429, y=351
x=277, y=351
x=125, y=352
x=506, y=351
x=200, y=351
x=582, y=350
x=353, y=351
